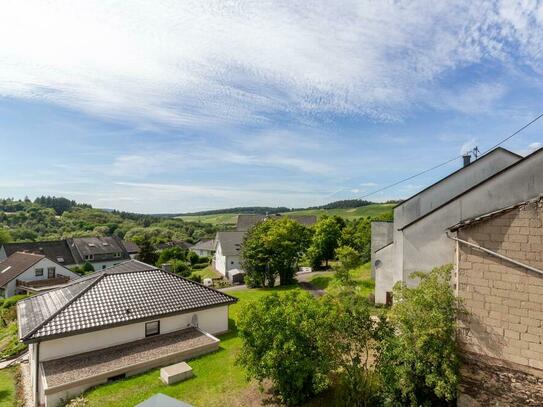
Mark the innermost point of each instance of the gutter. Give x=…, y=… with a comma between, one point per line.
x=501, y=256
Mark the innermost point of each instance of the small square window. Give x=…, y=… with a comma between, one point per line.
x=152, y=328
x=89, y=257
x=38, y=272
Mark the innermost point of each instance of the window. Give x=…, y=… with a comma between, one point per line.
x=89, y=257
x=51, y=272
x=231, y=262
x=103, y=266
x=118, y=254
x=38, y=272
x=2, y=292
x=152, y=328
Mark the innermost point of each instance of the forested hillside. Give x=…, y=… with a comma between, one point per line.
x=51, y=218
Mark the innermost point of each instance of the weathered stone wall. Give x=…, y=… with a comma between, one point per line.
x=504, y=301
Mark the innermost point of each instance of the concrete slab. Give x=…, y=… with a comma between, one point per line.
x=175, y=373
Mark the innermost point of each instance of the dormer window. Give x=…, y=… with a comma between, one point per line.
x=117, y=254
x=89, y=257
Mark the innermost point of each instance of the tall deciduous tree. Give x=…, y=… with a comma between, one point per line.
x=325, y=240
x=272, y=248
x=419, y=358
x=147, y=252
x=280, y=342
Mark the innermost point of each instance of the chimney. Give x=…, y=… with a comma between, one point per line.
x=467, y=159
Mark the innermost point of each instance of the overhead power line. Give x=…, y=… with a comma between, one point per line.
x=451, y=160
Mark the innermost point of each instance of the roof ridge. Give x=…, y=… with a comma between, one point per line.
x=522, y=160
x=460, y=170
x=69, y=302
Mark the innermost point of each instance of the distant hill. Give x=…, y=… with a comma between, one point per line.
x=230, y=218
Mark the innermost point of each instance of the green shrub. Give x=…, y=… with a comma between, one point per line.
x=11, y=301
x=419, y=362
x=196, y=277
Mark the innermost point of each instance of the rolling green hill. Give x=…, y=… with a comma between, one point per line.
x=347, y=213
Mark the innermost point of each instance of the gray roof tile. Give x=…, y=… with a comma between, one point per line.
x=111, y=298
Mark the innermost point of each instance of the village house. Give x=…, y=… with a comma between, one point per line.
x=204, y=248
x=416, y=239
x=23, y=273
x=228, y=251
x=101, y=252
x=227, y=245
x=499, y=277
x=115, y=323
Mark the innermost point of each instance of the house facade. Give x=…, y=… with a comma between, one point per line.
x=228, y=251
x=499, y=277
x=416, y=239
x=204, y=248
x=23, y=273
x=136, y=317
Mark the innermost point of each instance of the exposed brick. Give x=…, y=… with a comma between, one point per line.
x=531, y=321
x=537, y=363
x=518, y=328
x=530, y=337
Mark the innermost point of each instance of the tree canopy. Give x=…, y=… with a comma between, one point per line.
x=272, y=249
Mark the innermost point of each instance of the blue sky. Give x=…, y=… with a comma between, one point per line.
x=183, y=106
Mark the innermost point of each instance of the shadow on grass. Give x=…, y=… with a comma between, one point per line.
x=321, y=282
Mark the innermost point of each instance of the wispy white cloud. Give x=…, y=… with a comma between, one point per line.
x=468, y=146
x=212, y=63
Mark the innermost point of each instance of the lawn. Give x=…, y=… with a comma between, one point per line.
x=218, y=380
x=207, y=272
x=7, y=387
x=360, y=275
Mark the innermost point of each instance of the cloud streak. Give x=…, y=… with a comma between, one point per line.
x=193, y=64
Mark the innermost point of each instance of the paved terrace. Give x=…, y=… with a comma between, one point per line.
x=131, y=357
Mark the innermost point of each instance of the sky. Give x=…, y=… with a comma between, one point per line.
x=169, y=107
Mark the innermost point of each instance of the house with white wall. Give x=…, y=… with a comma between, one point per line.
x=416, y=240
x=228, y=251
x=23, y=273
x=116, y=323
x=204, y=248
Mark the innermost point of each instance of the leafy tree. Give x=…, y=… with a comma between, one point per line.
x=87, y=267
x=5, y=236
x=349, y=341
x=419, y=361
x=349, y=259
x=147, y=252
x=325, y=240
x=280, y=343
x=171, y=253
x=272, y=248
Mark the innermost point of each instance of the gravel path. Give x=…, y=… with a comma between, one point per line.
x=25, y=382
x=89, y=364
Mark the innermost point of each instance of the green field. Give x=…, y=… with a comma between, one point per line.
x=352, y=213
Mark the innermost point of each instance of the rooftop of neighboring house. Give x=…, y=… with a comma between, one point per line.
x=111, y=298
x=230, y=242
x=17, y=264
x=130, y=265
x=207, y=244
x=94, y=248
x=56, y=250
x=452, y=185
x=531, y=161
x=247, y=221
x=131, y=247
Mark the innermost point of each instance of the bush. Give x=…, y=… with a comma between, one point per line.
x=280, y=343
x=11, y=301
x=419, y=360
x=199, y=266
x=196, y=277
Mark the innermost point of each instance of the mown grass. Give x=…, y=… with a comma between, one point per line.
x=217, y=380
x=7, y=387
x=207, y=272
x=350, y=213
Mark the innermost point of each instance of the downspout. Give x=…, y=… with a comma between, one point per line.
x=37, y=376
x=501, y=256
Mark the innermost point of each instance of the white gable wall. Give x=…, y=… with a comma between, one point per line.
x=30, y=275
